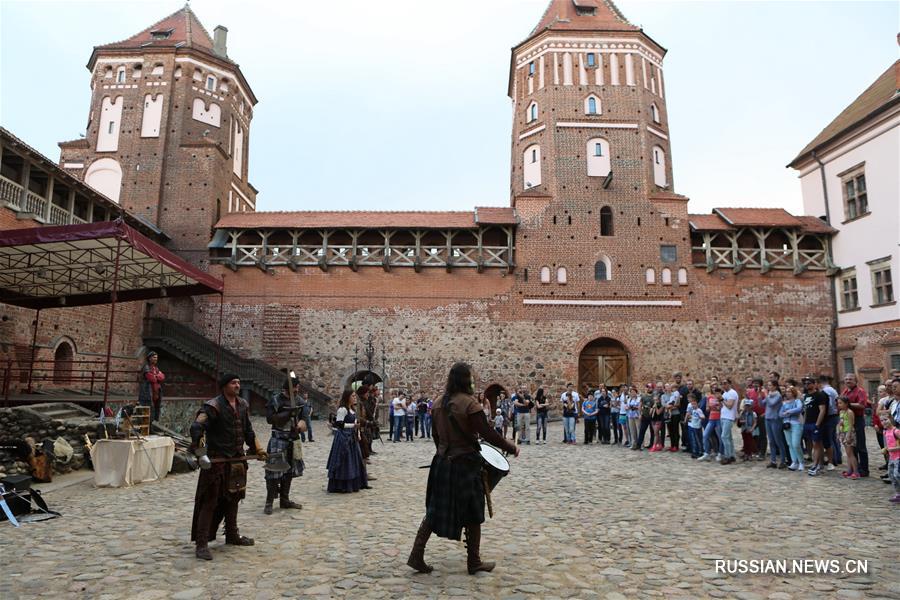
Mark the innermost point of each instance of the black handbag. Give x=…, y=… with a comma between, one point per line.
x=786, y=426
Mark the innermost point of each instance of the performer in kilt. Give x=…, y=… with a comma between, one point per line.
x=225, y=421
x=287, y=424
x=346, y=469
x=454, y=499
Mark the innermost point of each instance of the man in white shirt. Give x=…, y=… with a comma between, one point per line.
x=571, y=389
x=399, y=405
x=730, y=402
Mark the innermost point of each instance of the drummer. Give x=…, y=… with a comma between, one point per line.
x=454, y=499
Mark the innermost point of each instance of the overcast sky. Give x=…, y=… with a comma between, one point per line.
x=401, y=104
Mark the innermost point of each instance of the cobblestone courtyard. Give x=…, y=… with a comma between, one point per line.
x=570, y=522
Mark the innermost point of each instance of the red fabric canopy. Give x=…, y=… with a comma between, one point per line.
x=75, y=265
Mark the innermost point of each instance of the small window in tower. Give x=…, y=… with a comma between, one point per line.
x=606, y=221
x=534, y=155
x=136, y=72
x=161, y=34
x=210, y=83
x=654, y=113
x=545, y=274
x=108, y=73
x=561, y=276
x=591, y=60
x=668, y=254
x=598, y=149
x=120, y=75
x=656, y=156
x=532, y=112
x=531, y=69
x=112, y=127
x=592, y=107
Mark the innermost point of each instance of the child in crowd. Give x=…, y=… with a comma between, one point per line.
x=847, y=437
x=694, y=418
x=498, y=422
x=747, y=421
x=892, y=449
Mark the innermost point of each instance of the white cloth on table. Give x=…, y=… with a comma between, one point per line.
x=119, y=463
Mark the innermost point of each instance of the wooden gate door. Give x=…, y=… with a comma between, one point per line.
x=602, y=364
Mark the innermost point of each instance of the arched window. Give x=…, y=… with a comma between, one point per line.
x=532, y=112
x=177, y=71
x=62, y=363
x=682, y=276
x=659, y=166
x=606, y=221
x=158, y=69
x=561, y=275
x=545, y=274
x=531, y=167
x=654, y=112
x=120, y=75
x=602, y=271
x=136, y=71
x=651, y=275
x=592, y=105
x=597, y=153
x=667, y=276
x=211, y=83
x=108, y=73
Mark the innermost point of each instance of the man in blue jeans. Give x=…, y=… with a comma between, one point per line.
x=833, y=458
x=399, y=405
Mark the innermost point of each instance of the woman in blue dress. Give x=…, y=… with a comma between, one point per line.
x=346, y=469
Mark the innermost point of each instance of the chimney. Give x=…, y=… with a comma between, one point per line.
x=220, y=35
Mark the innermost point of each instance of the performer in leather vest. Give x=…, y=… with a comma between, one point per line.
x=454, y=499
x=367, y=425
x=225, y=421
x=287, y=423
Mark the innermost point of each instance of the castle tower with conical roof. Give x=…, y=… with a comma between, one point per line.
x=168, y=130
x=591, y=159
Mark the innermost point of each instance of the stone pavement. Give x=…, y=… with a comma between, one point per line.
x=571, y=522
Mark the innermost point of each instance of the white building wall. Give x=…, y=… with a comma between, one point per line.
x=871, y=237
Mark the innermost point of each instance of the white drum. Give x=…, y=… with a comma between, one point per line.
x=495, y=464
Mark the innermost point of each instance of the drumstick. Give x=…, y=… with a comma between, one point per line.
x=487, y=493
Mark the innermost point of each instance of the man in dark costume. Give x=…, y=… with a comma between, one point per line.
x=287, y=424
x=454, y=499
x=225, y=421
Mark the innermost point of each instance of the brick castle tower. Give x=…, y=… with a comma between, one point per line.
x=591, y=160
x=168, y=130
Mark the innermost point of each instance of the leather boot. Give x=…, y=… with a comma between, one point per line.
x=202, y=552
x=473, y=550
x=285, y=501
x=271, y=493
x=232, y=535
x=416, y=558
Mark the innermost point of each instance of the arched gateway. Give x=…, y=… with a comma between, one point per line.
x=603, y=361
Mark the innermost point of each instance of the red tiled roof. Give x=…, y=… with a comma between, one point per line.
x=495, y=215
x=185, y=27
x=811, y=224
x=708, y=223
x=563, y=15
x=757, y=217
x=368, y=219
x=876, y=98
x=728, y=219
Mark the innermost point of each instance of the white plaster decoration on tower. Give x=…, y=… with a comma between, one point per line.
x=238, y=154
x=531, y=167
x=555, y=68
x=582, y=72
x=653, y=84
x=210, y=116
x=629, y=69
x=541, y=73
x=597, y=152
x=644, y=71
x=105, y=176
x=530, y=84
x=659, y=166
x=598, y=77
x=157, y=69
x=152, y=116
x=614, y=68
x=659, y=75
x=567, y=68
x=110, y=124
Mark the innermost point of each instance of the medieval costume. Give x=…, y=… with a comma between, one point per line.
x=285, y=440
x=225, y=422
x=454, y=499
x=150, y=389
x=367, y=425
x=346, y=469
